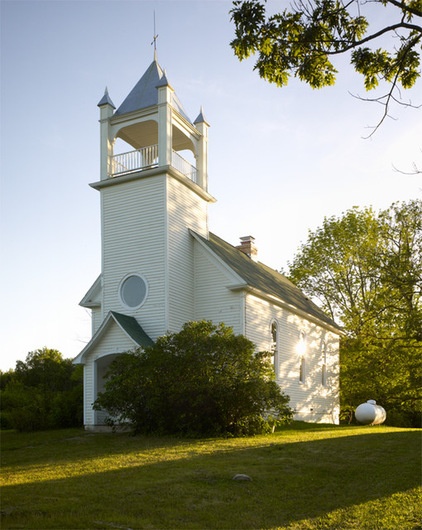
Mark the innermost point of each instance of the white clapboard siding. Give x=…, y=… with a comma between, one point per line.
x=97, y=318
x=134, y=241
x=310, y=399
x=186, y=210
x=89, y=392
x=112, y=342
x=213, y=299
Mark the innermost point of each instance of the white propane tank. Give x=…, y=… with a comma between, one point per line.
x=370, y=413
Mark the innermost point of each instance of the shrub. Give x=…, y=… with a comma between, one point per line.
x=204, y=380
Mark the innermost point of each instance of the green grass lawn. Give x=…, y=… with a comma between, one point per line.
x=303, y=477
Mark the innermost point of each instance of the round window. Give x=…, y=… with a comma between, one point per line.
x=133, y=291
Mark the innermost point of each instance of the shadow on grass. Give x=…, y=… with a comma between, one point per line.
x=193, y=488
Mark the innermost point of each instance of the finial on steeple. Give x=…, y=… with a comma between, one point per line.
x=154, y=40
x=105, y=100
x=201, y=118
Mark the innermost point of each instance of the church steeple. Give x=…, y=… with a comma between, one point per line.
x=151, y=119
x=152, y=197
x=144, y=93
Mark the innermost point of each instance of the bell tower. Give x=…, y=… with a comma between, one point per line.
x=152, y=122
x=153, y=189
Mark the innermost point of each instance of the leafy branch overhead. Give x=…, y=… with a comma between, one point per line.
x=302, y=40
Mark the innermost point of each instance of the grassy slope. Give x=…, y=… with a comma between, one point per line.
x=303, y=477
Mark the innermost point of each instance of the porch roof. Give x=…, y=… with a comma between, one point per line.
x=133, y=329
x=127, y=324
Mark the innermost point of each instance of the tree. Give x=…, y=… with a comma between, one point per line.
x=204, y=380
x=43, y=392
x=365, y=270
x=302, y=41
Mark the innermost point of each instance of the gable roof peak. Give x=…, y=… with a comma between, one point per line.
x=127, y=324
x=263, y=279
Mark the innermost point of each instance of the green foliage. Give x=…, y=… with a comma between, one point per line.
x=302, y=40
x=204, y=380
x=366, y=271
x=44, y=392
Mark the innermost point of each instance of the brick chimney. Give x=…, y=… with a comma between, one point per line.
x=247, y=246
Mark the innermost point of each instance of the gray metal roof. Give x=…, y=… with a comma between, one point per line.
x=200, y=118
x=145, y=94
x=263, y=278
x=105, y=100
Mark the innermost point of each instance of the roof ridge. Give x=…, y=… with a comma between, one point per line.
x=266, y=279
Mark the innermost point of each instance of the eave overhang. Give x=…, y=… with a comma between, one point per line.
x=243, y=285
x=127, y=324
x=93, y=295
x=281, y=303
x=153, y=172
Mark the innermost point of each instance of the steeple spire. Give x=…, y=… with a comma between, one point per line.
x=154, y=40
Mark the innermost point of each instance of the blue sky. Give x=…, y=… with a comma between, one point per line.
x=279, y=159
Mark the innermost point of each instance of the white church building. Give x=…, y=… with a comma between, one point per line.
x=161, y=267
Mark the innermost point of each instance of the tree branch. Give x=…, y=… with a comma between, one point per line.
x=390, y=96
x=405, y=8
x=415, y=171
x=388, y=29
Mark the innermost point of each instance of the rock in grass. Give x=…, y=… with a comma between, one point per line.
x=241, y=476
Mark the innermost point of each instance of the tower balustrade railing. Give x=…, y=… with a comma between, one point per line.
x=147, y=158
x=182, y=165
x=143, y=158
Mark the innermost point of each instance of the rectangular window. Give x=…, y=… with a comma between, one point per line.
x=324, y=364
x=302, y=370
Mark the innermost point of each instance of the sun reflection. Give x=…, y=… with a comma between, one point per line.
x=301, y=345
